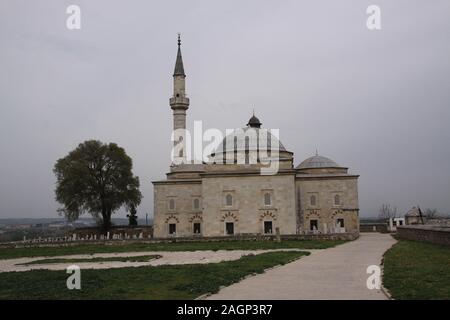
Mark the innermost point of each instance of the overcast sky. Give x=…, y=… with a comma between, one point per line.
x=375, y=101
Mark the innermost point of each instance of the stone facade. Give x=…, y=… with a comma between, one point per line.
x=232, y=198
x=203, y=203
x=174, y=204
x=248, y=211
x=330, y=200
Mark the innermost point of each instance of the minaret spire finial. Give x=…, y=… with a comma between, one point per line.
x=317, y=152
x=179, y=39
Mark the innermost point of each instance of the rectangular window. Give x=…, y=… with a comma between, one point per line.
x=229, y=227
x=267, y=199
x=172, y=228
x=197, y=228
x=196, y=204
x=313, y=200
x=337, y=200
x=229, y=200
x=313, y=225
x=171, y=204
x=340, y=222
x=268, y=227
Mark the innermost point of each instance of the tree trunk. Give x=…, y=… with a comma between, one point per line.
x=106, y=217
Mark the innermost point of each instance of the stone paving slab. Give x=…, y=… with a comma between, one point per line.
x=333, y=273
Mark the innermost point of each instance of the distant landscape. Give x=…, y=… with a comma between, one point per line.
x=29, y=228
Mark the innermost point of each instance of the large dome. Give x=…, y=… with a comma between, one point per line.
x=249, y=139
x=244, y=140
x=317, y=162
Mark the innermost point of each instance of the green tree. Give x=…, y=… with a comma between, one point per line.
x=96, y=178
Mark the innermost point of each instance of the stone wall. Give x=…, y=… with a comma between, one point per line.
x=262, y=237
x=255, y=237
x=248, y=211
x=183, y=214
x=324, y=210
x=427, y=233
x=124, y=231
x=373, y=227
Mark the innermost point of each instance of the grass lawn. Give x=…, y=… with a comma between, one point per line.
x=9, y=253
x=162, y=282
x=417, y=270
x=74, y=260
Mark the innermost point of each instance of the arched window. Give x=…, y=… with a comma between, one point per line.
x=313, y=200
x=337, y=200
x=228, y=200
x=171, y=204
x=196, y=203
x=267, y=199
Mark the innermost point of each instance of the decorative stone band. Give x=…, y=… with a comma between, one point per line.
x=268, y=214
x=230, y=214
x=172, y=217
x=196, y=217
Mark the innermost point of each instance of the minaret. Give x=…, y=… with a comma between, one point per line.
x=179, y=104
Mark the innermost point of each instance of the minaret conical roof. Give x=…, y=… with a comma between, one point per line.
x=179, y=69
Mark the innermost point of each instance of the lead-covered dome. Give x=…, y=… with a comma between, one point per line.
x=252, y=142
x=317, y=162
x=250, y=139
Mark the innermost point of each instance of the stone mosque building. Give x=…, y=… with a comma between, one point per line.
x=227, y=198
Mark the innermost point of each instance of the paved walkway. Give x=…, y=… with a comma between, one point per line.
x=334, y=273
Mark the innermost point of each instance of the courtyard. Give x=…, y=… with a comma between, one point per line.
x=230, y=270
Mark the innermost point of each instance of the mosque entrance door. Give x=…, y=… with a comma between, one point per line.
x=268, y=227
x=229, y=228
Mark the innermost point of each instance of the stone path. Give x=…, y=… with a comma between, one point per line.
x=167, y=258
x=334, y=273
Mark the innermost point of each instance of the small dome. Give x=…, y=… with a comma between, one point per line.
x=317, y=162
x=413, y=212
x=254, y=122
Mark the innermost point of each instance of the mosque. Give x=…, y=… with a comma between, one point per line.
x=227, y=197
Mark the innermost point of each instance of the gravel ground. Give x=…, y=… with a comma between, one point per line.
x=167, y=258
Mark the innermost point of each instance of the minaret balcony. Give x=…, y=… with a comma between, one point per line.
x=179, y=101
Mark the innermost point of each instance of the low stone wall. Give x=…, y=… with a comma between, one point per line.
x=373, y=227
x=427, y=233
x=124, y=241
x=124, y=232
x=260, y=237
